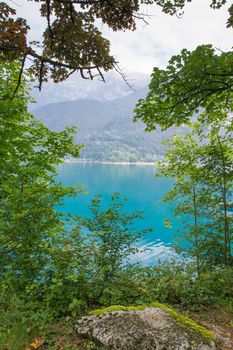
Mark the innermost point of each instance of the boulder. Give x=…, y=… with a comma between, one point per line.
x=148, y=328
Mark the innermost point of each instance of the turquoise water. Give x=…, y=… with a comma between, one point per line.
x=138, y=184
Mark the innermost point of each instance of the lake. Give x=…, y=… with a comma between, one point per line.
x=139, y=185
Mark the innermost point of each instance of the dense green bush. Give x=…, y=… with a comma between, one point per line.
x=21, y=321
x=177, y=283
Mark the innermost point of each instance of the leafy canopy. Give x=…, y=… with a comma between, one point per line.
x=193, y=80
x=201, y=164
x=29, y=153
x=171, y=6
x=72, y=40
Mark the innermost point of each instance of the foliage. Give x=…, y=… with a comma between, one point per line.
x=171, y=6
x=20, y=322
x=197, y=86
x=42, y=257
x=90, y=264
x=218, y=173
x=51, y=266
x=112, y=237
x=176, y=283
x=29, y=224
x=28, y=325
x=71, y=39
x=201, y=164
x=173, y=283
x=187, y=195
x=64, y=263
x=193, y=80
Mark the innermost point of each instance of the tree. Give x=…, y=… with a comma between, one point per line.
x=218, y=171
x=201, y=164
x=71, y=40
x=192, y=81
x=29, y=223
x=113, y=236
x=181, y=164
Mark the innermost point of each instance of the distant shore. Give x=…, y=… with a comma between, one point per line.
x=107, y=162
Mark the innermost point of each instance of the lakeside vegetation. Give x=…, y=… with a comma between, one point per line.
x=52, y=274
x=54, y=267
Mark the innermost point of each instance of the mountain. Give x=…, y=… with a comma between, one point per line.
x=78, y=88
x=106, y=128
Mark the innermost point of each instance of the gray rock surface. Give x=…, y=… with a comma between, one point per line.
x=148, y=329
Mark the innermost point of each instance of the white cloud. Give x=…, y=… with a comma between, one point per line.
x=152, y=45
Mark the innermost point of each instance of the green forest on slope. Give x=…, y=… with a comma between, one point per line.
x=106, y=130
x=56, y=268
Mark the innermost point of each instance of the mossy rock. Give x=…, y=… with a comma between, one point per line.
x=180, y=319
x=146, y=327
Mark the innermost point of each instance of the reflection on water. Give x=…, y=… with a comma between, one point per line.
x=151, y=253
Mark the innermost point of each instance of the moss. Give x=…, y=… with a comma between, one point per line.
x=117, y=308
x=185, y=321
x=181, y=320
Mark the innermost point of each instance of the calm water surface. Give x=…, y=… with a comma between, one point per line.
x=138, y=184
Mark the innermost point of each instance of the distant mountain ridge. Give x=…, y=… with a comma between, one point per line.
x=106, y=128
x=77, y=88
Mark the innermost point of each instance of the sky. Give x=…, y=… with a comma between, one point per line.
x=153, y=44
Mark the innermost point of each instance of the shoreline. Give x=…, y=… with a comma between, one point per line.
x=108, y=162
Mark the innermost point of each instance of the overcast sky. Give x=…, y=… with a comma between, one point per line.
x=166, y=35
x=152, y=45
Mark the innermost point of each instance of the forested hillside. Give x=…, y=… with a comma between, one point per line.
x=106, y=128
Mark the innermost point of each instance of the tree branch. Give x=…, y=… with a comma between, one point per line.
x=20, y=76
